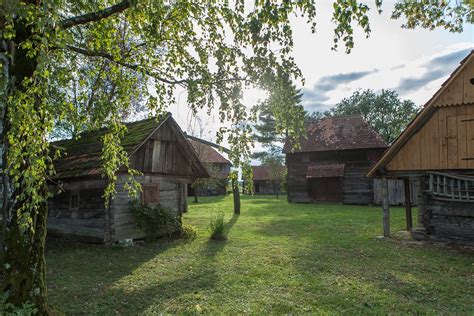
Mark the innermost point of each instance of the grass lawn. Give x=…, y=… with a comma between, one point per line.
x=279, y=258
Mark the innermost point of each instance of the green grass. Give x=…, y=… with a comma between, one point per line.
x=278, y=258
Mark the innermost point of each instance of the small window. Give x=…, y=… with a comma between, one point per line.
x=305, y=158
x=150, y=194
x=74, y=201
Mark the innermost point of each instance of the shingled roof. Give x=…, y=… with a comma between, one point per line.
x=207, y=154
x=260, y=173
x=338, y=133
x=82, y=156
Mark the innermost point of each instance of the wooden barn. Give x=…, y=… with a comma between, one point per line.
x=156, y=148
x=217, y=165
x=332, y=161
x=437, y=150
x=262, y=182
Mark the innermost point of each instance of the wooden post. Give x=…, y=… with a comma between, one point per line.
x=408, y=204
x=386, y=210
x=185, y=197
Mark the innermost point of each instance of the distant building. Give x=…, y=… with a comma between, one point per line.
x=262, y=182
x=331, y=163
x=217, y=165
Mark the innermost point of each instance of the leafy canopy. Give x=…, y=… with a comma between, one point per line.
x=386, y=112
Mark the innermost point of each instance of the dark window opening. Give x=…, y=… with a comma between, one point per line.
x=257, y=187
x=74, y=202
x=471, y=81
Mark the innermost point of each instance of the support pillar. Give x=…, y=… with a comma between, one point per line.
x=386, y=208
x=408, y=215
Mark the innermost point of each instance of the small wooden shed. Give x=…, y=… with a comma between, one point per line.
x=331, y=163
x=437, y=150
x=155, y=147
x=262, y=182
x=217, y=165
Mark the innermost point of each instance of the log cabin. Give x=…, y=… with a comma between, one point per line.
x=217, y=165
x=437, y=150
x=332, y=160
x=155, y=147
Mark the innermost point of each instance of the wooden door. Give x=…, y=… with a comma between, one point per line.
x=327, y=189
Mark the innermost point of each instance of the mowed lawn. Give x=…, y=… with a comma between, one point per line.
x=279, y=258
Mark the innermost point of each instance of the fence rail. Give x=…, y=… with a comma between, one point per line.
x=451, y=187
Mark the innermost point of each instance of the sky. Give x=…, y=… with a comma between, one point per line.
x=412, y=62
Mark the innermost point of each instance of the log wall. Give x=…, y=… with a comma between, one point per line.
x=447, y=221
x=89, y=221
x=172, y=195
x=356, y=187
x=264, y=187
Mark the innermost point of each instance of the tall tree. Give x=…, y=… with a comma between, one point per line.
x=386, y=112
x=212, y=49
x=274, y=124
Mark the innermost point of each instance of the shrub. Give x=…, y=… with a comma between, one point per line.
x=217, y=227
x=8, y=309
x=156, y=221
x=188, y=232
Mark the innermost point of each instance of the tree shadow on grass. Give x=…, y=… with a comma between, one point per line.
x=84, y=271
x=213, y=247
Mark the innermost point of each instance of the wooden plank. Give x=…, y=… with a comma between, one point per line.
x=458, y=89
x=433, y=142
x=470, y=136
x=156, y=156
x=461, y=123
x=443, y=144
x=452, y=141
x=468, y=84
x=424, y=151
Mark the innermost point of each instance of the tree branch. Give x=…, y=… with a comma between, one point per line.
x=108, y=56
x=149, y=73
x=96, y=16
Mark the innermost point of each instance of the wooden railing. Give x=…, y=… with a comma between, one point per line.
x=450, y=187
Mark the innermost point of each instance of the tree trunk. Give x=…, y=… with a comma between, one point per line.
x=236, y=194
x=196, y=189
x=23, y=256
x=24, y=259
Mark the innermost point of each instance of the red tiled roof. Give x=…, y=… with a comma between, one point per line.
x=325, y=171
x=338, y=133
x=207, y=154
x=260, y=173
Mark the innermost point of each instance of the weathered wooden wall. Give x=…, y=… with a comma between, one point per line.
x=356, y=187
x=172, y=195
x=163, y=153
x=264, y=187
x=396, y=192
x=444, y=220
x=446, y=141
x=89, y=221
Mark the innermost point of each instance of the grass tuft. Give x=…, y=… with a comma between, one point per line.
x=217, y=227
